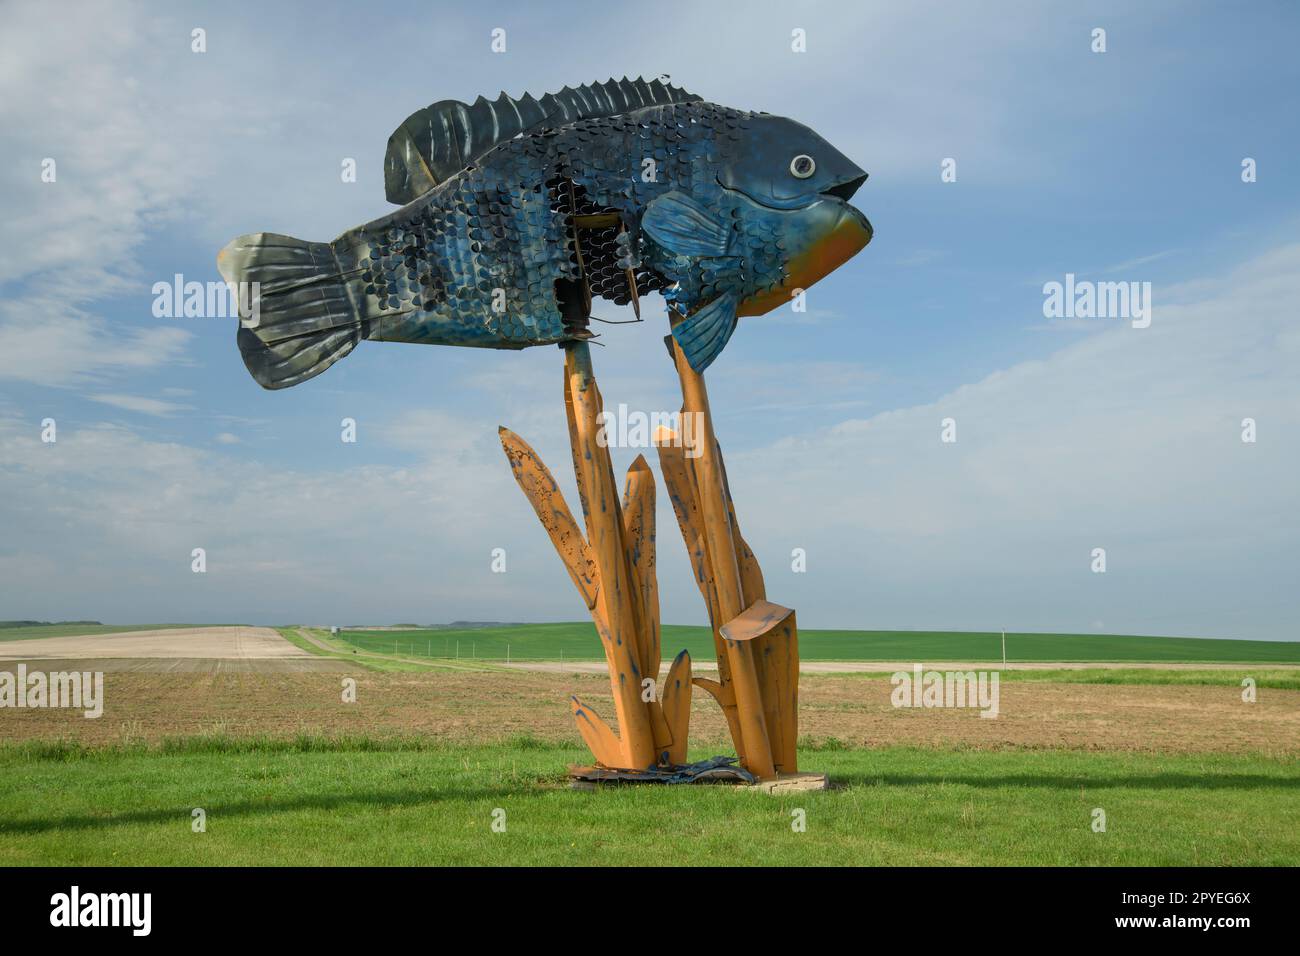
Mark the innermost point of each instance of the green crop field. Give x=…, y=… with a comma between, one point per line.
x=1287, y=678
x=359, y=801
x=578, y=641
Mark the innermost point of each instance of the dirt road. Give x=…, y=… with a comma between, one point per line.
x=183, y=649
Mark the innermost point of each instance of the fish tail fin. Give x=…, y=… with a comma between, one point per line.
x=295, y=316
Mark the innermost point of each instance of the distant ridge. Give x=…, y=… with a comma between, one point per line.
x=453, y=626
x=47, y=623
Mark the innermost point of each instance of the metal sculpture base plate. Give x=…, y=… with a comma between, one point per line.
x=713, y=770
x=716, y=770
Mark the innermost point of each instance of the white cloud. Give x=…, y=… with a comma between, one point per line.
x=897, y=87
x=72, y=242
x=145, y=135
x=1129, y=439
x=118, y=515
x=1137, y=261
x=141, y=404
x=44, y=347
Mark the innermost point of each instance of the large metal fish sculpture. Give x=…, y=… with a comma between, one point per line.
x=516, y=211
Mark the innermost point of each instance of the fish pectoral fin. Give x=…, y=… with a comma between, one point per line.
x=684, y=226
x=703, y=334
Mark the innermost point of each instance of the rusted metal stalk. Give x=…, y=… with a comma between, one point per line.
x=617, y=622
x=706, y=464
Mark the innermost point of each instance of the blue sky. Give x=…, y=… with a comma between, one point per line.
x=1123, y=165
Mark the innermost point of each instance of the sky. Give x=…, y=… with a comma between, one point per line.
x=1071, y=434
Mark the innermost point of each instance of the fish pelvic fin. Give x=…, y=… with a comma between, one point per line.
x=703, y=334
x=299, y=320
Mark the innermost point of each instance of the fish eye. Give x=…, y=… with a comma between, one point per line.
x=802, y=166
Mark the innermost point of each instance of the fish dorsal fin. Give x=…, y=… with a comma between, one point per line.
x=440, y=140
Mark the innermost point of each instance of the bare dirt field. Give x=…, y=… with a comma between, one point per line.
x=213, y=643
x=469, y=706
x=178, y=665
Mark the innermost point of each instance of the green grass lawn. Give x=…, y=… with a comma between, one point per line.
x=74, y=630
x=360, y=801
x=578, y=641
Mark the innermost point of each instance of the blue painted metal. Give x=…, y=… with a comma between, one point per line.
x=476, y=259
x=713, y=770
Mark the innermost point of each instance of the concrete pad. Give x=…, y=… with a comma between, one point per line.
x=791, y=783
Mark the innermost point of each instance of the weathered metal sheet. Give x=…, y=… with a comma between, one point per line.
x=713, y=770
x=579, y=471
x=681, y=492
x=773, y=635
x=437, y=142
x=676, y=704
x=605, y=538
x=778, y=652
x=727, y=701
x=725, y=227
x=623, y=603
x=660, y=729
x=597, y=735
x=639, y=543
x=726, y=572
x=751, y=575
x=680, y=482
x=542, y=492
x=756, y=620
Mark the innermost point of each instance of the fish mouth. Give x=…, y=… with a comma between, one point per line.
x=841, y=231
x=861, y=221
x=846, y=189
x=843, y=190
